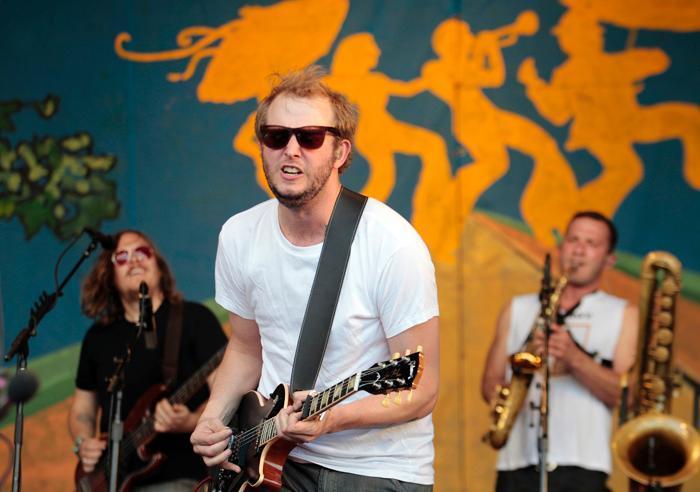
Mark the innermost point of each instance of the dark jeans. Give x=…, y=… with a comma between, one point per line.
x=561, y=479
x=306, y=477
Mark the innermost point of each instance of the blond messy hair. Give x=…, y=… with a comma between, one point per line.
x=307, y=83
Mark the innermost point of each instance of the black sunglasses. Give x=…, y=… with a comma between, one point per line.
x=309, y=137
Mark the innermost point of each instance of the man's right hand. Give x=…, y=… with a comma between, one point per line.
x=210, y=440
x=89, y=452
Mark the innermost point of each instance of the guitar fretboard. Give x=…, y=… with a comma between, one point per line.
x=193, y=384
x=313, y=406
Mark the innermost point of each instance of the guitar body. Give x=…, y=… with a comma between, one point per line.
x=255, y=443
x=144, y=461
x=261, y=467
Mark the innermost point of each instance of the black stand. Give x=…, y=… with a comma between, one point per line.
x=20, y=347
x=545, y=320
x=116, y=426
x=116, y=387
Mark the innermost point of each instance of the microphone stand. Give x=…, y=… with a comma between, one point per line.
x=115, y=387
x=545, y=319
x=116, y=427
x=20, y=348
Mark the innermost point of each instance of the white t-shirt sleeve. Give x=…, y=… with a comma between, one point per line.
x=230, y=289
x=406, y=289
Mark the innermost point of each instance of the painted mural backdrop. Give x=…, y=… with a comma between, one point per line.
x=140, y=114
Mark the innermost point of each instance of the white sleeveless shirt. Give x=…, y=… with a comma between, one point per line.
x=579, y=423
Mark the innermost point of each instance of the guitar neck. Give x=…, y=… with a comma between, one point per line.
x=193, y=384
x=197, y=380
x=314, y=405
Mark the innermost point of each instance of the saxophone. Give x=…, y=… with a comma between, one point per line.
x=524, y=364
x=654, y=448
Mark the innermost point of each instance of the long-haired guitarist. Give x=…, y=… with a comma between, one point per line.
x=111, y=295
x=265, y=266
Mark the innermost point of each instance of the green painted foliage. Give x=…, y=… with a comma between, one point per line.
x=54, y=182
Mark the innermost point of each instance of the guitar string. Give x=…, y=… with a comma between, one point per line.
x=247, y=436
x=129, y=443
x=251, y=434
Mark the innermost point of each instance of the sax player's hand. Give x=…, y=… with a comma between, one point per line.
x=562, y=347
x=538, y=343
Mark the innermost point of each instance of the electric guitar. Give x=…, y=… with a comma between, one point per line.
x=139, y=432
x=260, y=452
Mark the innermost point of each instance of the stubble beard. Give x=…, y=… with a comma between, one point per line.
x=297, y=200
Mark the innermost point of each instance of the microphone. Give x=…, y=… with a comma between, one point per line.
x=18, y=389
x=105, y=240
x=147, y=319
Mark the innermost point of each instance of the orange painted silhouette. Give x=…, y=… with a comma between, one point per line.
x=467, y=64
x=597, y=92
x=663, y=15
x=263, y=40
x=379, y=134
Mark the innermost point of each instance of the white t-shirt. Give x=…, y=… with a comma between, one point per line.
x=389, y=287
x=579, y=423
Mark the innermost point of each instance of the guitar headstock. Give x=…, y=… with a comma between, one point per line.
x=398, y=373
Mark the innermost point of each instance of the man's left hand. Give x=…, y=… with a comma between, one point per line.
x=300, y=431
x=173, y=418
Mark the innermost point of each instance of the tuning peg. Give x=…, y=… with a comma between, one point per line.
x=396, y=355
x=410, y=396
x=385, y=401
x=397, y=398
x=408, y=352
x=419, y=349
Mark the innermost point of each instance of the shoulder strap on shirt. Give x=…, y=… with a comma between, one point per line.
x=173, y=335
x=325, y=290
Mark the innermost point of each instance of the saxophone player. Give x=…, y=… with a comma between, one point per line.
x=591, y=345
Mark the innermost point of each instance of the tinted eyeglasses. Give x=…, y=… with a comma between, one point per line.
x=139, y=254
x=309, y=137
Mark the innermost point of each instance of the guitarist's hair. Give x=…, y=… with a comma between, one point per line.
x=99, y=297
x=307, y=83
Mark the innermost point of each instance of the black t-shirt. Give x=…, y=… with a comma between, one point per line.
x=201, y=338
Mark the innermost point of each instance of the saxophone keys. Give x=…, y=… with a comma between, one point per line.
x=664, y=336
x=662, y=354
x=664, y=319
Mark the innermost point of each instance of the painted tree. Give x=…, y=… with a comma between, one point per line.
x=56, y=182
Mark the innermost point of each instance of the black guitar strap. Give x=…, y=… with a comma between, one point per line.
x=171, y=352
x=325, y=290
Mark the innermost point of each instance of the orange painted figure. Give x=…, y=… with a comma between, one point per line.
x=379, y=134
x=466, y=64
x=665, y=15
x=597, y=92
x=263, y=40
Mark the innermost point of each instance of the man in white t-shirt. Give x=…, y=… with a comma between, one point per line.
x=265, y=266
x=592, y=343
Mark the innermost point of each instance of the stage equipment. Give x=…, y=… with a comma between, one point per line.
x=20, y=345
